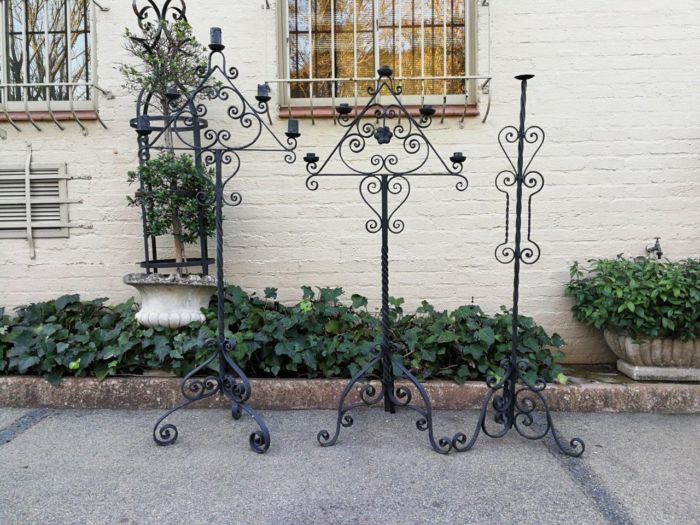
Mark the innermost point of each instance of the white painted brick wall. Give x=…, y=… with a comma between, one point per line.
x=616, y=91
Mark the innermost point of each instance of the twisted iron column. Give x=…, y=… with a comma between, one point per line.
x=385, y=175
x=387, y=369
x=515, y=336
x=514, y=405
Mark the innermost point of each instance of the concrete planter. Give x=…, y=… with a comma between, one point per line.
x=171, y=300
x=656, y=359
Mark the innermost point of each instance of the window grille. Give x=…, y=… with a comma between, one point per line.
x=34, y=202
x=334, y=47
x=47, y=60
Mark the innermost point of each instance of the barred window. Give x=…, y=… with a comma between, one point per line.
x=426, y=42
x=46, y=53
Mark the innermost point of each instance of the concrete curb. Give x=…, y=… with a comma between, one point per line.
x=135, y=393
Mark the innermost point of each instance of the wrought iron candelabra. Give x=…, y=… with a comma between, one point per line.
x=513, y=397
x=214, y=150
x=382, y=177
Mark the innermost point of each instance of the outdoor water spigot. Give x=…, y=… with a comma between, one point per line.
x=655, y=249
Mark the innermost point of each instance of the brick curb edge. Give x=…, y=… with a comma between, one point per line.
x=134, y=393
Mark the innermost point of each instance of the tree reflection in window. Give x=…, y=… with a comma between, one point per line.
x=47, y=42
x=428, y=41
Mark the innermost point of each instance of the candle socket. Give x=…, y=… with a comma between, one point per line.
x=311, y=158
x=215, y=41
x=343, y=108
x=292, y=128
x=458, y=157
x=143, y=125
x=427, y=111
x=263, y=93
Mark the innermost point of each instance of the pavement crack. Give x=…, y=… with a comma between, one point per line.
x=21, y=425
x=609, y=506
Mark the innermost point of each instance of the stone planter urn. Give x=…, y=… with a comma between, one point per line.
x=171, y=300
x=657, y=359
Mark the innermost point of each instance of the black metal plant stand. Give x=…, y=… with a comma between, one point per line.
x=216, y=150
x=386, y=175
x=514, y=403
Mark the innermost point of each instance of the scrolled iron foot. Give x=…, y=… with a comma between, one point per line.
x=402, y=398
x=521, y=406
x=526, y=399
x=193, y=389
x=369, y=396
x=260, y=439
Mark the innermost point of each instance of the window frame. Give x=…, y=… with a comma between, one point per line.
x=471, y=44
x=37, y=106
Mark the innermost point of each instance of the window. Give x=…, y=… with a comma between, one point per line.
x=428, y=43
x=45, y=55
x=34, y=203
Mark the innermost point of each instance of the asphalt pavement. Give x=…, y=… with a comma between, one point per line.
x=94, y=467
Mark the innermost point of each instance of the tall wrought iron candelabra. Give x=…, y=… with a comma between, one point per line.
x=214, y=150
x=386, y=175
x=513, y=397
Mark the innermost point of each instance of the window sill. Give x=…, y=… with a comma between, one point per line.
x=327, y=112
x=46, y=116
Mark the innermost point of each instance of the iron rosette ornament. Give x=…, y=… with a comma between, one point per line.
x=389, y=123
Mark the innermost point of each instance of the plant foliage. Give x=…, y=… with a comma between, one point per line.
x=639, y=297
x=174, y=187
x=167, y=56
x=319, y=336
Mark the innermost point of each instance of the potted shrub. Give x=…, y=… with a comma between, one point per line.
x=174, y=188
x=649, y=313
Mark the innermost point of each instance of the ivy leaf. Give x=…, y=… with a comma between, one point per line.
x=332, y=326
x=65, y=300
x=358, y=301
x=486, y=335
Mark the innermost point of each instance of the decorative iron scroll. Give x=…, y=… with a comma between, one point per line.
x=515, y=396
x=186, y=128
x=386, y=175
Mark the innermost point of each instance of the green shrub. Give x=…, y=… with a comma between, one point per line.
x=320, y=336
x=639, y=297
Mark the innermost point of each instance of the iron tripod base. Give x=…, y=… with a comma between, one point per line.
x=392, y=396
x=230, y=382
x=514, y=400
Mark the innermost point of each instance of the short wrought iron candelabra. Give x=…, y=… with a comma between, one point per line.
x=382, y=177
x=514, y=397
x=214, y=150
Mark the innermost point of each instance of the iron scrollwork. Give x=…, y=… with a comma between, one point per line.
x=384, y=186
x=515, y=396
x=187, y=128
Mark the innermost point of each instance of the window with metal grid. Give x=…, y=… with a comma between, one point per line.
x=45, y=55
x=34, y=202
x=335, y=47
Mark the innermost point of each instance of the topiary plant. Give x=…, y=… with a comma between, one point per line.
x=168, y=57
x=173, y=195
